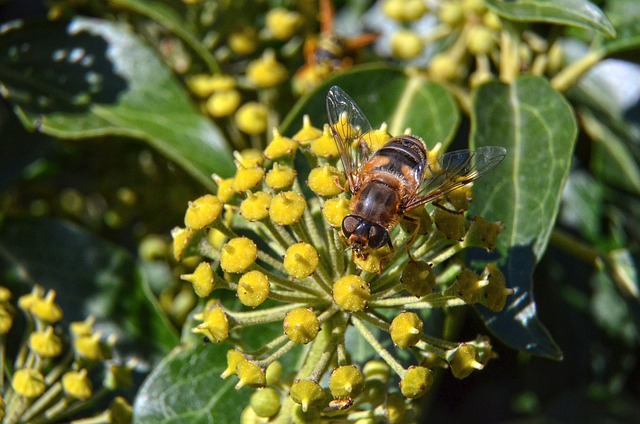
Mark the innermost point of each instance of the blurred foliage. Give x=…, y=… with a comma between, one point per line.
x=116, y=113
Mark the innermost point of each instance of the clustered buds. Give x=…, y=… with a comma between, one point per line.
x=277, y=244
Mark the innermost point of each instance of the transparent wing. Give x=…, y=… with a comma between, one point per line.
x=454, y=170
x=350, y=130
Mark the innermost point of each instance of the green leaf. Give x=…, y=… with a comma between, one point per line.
x=579, y=13
x=186, y=387
x=387, y=95
x=90, y=78
x=89, y=275
x=628, y=38
x=536, y=126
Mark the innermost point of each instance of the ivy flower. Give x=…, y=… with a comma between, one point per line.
x=284, y=256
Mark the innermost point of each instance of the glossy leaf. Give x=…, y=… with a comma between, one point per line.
x=536, y=126
x=628, y=38
x=579, y=13
x=90, y=276
x=387, y=95
x=89, y=78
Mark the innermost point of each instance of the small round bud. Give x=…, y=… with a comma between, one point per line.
x=247, y=178
x=6, y=320
x=377, y=369
x=469, y=286
x=462, y=360
x=251, y=118
x=406, y=329
x=476, y=7
x=215, y=325
x=334, y=210
x=89, y=347
x=243, y=41
x=250, y=375
x=253, y=288
x=5, y=294
x=325, y=146
x=28, y=383
x=234, y=357
x=301, y=260
x=256, y=206
x=480, y=40
x=404, y=10
x=351, y=293
x=451, y=225
x=301, y=325
x=406, y=45
x=225, y=188
x=204, y=85
x=418, y=278
x=483, y=233
x=287, y=208
x=326, y=181
x=265, y=402
x=443, y=67
x=307, y=133
x=46, y=309
x=45, y=343
x=77, y=384
x=280, y=146
x=266, y=72
x=238, y=254
x=202, y=212
x=377, y=138
x=346, y=381
x=181, y=238
x=460, y=198
x=374, y=261
x=282, y=23
x=492, y=21
x=416, y=382
x=249, y=158
x=307, y=393
x=395, y=408
x=451, y=13
x=273, y=373
x=496, y=291
x=280, y=176
x=223, y=103
x=152, y=247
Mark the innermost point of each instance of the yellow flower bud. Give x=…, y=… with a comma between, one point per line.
x=334, y=210
x=46, y=310
x=265, y=402
x=253, y=288
x=301, y=325
x=256, y=206
x=483, y=233
x=469, y=286
x=416, y=382
x=326, y=181
x=492, y=21
x=250, y=375
x=28, y=383
x=377, y=369
x=377, y=138
x=287, y=208
x=243, y=41
x=202, y=212
x=45, y=343
x=443, y=67
x=203, y=85
x=418, y=278
x=225, y=188
x=76, y=384
x=280, y=176
x=404, y=10
x=6, y=320
x=181, y=238
x=307, y=393
x=266, y=71
x=234, y=357
x=496, y=290
x=451, y=13
x=249, y=158
x=480, y=40
x=406, y=44
x=308, y=132
x=406, y=329
x=301, y=260
x=451, y=225
x=273, y=373
x=476, y=7
x=462, y=360
x=282, y=23
x=5, y=294
x=395, y=408
x=280, y=146
x=223, y=103
x=215, y=325
x=89, y=347
x=351, y=293
x=247, y=178
x=346, y=381
x=374, y=261
x=201, y=279
x=325, y=146
x=251, y=118
x=238, y=254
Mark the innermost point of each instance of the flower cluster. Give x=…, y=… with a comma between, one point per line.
x=271, y=234
x=52, y=377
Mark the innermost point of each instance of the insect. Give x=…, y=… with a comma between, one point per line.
x=388, y=183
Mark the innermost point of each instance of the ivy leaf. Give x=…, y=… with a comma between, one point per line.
x=578, y=13
x=536, y=126
x=628, y=38
x=89, y=275
x=387, y=95
x=90, y=78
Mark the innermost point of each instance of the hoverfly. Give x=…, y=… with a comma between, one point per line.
x=388, y=183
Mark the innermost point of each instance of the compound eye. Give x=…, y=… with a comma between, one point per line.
x=378, y=236
x=349, y=225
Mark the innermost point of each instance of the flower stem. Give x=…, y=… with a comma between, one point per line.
x=371, y=339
